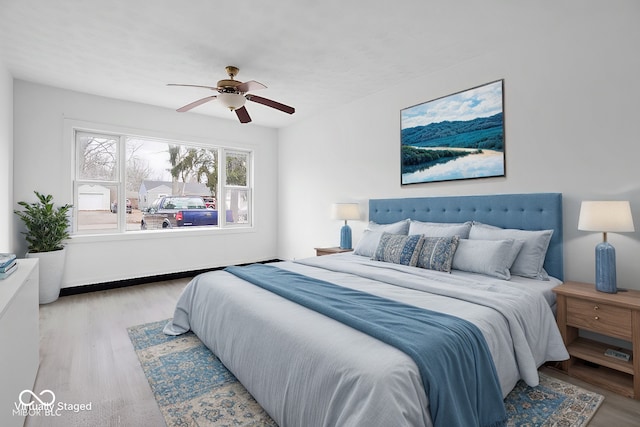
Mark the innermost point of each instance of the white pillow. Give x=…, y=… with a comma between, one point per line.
x=400, y=227
x=530, y=259
x=371, y=236
x=440, y=229
x=489, y=257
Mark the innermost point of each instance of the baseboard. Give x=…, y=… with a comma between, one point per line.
x=75, y=290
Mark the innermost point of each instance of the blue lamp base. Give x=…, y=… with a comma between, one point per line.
x=345, y=237
x=606, y=268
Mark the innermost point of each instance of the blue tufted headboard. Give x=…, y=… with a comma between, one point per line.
x=535, y=211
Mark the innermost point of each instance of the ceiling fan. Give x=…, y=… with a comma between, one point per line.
x=233, y=94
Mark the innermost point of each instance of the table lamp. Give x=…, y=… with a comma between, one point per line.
x=346, y=211
x=606, y=216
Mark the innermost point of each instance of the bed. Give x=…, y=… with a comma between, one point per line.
x=308, y=369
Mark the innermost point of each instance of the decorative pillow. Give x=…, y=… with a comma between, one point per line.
x=530, y=259
x=371, y=237
x=437, y=253
x=399, y=249
x=489, y=257
x=440, y=229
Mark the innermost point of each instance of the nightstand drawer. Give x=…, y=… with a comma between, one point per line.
x=603, y=318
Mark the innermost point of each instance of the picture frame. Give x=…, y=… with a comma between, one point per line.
x=454, y=137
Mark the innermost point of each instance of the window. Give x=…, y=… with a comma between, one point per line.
x=130, y=183
x=236, y=187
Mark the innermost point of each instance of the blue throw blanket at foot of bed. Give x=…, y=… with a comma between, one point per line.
x=452, y=356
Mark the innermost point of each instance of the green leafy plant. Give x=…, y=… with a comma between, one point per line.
x=47, y=227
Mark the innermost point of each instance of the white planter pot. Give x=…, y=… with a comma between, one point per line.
x=51, y=266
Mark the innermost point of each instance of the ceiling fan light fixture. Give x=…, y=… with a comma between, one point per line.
x=232, y=101
x=233, y=94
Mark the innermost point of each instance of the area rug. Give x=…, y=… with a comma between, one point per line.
x=193, y=388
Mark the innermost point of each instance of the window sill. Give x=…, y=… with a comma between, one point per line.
x=159, y=234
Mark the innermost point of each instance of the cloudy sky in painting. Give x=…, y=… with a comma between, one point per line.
x=483, y=101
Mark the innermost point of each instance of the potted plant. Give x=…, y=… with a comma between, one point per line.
x=47, y=229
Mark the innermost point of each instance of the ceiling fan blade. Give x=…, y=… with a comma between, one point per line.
x=196, y=103
x=206, y=87
x=270, y=103
x=249, y=86
x=243, y=114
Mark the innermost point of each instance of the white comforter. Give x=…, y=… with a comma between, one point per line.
x=308, y=370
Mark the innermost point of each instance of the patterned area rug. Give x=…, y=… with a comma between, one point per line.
x=193, y=388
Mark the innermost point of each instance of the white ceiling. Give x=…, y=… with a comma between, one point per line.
x=312, y=55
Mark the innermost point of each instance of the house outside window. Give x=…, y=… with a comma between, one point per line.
x=124, y=183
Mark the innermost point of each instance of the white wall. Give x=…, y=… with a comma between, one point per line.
x=6, y=159
x=43, y=162
x=571, y=110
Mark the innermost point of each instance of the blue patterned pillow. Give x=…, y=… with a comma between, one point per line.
x=398, y=249
x=437, y=253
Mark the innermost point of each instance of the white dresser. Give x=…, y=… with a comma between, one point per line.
x=19, y=338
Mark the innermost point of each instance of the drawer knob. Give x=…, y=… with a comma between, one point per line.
x=597, y=318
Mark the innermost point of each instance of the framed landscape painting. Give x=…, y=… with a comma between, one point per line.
x=459, y=136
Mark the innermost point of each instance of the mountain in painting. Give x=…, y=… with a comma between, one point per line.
x=482, y=133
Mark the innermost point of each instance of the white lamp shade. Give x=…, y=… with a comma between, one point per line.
x=606, y=216
x=232, y=101
x=346, y=211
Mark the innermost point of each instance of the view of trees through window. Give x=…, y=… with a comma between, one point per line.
x=161, y=184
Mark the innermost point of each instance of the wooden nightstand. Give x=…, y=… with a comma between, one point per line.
x=580, y=306
x=329, y=251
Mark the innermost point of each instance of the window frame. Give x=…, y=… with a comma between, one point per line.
x=225, y=188
x=72, y=127
x=119, y=183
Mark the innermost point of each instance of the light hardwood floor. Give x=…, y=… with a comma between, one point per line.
x=86, y=357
